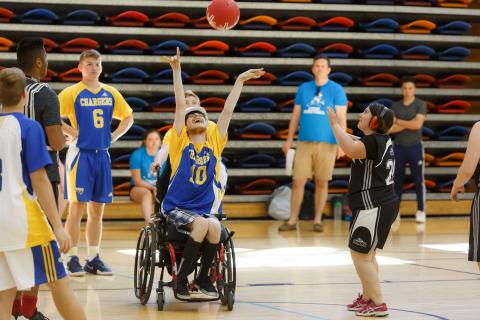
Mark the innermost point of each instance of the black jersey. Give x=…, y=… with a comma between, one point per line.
x=371, y=179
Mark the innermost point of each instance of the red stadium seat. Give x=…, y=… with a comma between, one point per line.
x=129, y=19
x=297, y=24
x=257, y=187
x=453, y=107
x=424, y=80
x=79, y=45
x=171, y=20
x=6, y=15
x=210, y=48
x=49, y=44
x=380, y=80
x=213, y=104
x=455, y=81
x=210, y=77
x=72, y=75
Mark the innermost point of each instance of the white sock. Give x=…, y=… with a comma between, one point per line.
x=93, y=251
x=72, y=252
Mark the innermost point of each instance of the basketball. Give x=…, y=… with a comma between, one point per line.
x=223, y=14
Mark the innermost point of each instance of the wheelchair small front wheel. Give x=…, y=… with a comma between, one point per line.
x=230, y=299
x=160, y=300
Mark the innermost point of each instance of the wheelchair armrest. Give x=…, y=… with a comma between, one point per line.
x=220, y=216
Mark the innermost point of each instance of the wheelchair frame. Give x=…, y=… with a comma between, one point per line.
x=154, y=250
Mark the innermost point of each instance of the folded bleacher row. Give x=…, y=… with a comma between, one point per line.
x=255, y=49
x=133, y=18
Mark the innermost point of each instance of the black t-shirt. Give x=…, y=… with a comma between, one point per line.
x=371, y=179
x=42, y=105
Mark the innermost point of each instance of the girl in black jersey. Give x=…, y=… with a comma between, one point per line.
x=465, y=173
x=372, y=199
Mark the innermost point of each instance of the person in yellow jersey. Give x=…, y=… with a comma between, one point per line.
x=90, y=106
x=194, y=190
x=29, y=253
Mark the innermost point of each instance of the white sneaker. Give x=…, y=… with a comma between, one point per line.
x=420, y=217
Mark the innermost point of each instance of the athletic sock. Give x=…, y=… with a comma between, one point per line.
x=189, y=256
x=29, y=305
x=17, y=306
x=92, y=251
x=73, y=252
x=209, y=250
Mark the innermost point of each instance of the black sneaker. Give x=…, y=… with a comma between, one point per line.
x=206, y=287
x=182, y=288
x=38, y=316
x=97, y=266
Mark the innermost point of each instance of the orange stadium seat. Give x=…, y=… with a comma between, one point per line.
x=261, y=22
x=418, y=26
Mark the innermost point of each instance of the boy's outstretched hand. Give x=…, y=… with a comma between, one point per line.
x=174, y=61
x=251, y=74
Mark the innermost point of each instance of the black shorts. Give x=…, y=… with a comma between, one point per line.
x=474, y=239
x=369, y=228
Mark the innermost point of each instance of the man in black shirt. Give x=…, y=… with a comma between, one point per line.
x=372, y=199
x=41, y=105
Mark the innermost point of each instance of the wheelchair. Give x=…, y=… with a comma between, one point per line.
x=160, y=245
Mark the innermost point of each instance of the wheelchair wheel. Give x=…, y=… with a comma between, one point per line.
x=230, y=299
x=231, y=269
x=145, y=263
x=160, y=299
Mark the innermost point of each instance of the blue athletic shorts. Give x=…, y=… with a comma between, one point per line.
x=88, y=175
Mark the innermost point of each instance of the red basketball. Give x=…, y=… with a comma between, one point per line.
x=223, y=14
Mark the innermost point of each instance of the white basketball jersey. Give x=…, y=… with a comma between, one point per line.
x=22, y=222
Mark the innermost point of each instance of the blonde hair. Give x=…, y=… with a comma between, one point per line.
x=190, y=93
x=90, y=53
x=12, y=86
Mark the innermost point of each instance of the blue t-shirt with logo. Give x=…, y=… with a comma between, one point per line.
x=314, y=100
x=141, y=160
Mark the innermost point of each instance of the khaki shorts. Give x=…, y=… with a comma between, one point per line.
x=314, y=158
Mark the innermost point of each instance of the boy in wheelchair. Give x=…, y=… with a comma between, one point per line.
x=194, y=189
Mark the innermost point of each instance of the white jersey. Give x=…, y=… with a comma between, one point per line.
x=22, y=152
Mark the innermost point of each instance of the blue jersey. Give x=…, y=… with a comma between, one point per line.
x=314, y=100
x=195, y=179
x=142, y=161
x=92, y=112
x=23, y=151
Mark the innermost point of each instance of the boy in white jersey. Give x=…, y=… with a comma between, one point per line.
x=29, y=254
x=195, y=190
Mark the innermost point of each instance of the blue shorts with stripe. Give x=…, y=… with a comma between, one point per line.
x=48, y=263
x=29, y=267
x=88, y=175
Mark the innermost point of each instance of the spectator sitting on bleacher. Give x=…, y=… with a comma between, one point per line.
x=143, y=180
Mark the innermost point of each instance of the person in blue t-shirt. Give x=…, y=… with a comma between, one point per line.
x=316, y=147
x=143, y=180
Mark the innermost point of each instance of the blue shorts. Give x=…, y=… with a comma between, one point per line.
x=30, y=267
x=88, y=176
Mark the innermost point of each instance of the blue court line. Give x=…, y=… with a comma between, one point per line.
x=351, y=283
x=265, y=306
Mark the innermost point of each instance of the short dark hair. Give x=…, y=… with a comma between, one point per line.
x=385, y=119
x=28, y=50
x=407, y=79
x=323, y=57
x=147, y=133
x=12, y=86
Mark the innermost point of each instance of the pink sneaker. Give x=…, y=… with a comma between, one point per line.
x=373, y=310
x=357, y=304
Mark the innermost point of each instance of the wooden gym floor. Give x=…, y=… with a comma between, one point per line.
x=302, y=275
